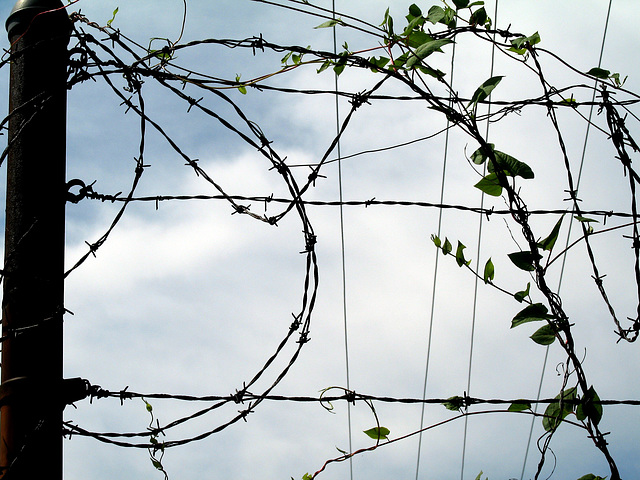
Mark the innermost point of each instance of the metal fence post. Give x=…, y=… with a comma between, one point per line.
x=33, y=301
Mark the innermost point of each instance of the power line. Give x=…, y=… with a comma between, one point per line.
x=435, y=269
x=342, y=245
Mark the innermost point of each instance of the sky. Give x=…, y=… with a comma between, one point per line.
x=185, y=298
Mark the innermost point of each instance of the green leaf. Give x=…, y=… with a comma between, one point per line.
x=519, y=51
x=414, y=25
x=544, y=335
x=519, y=42
x=490, y=185
x=534, y=39
x=436, y=240
x=115, y=12
x=585, y=219
x=401, y=60
x=550, y=241
x=591, y=476
x=519, y=296
x=524, y=260
x=460, y=255
x=535, y=312
x=461, y=3
x=480, y=155
x=616, y=79
x=286, y=58
x=435, y=14
x=446, y=248
x=417, y=38
x=454, y=404
x=438, y=74
x=426, y=49
x=325, y=65
x=415, y=11
x=330, y=23
x=556, y=412
x=555, y=417
x=343, y=452
x=149, y=407
x=339, y=66
x=449, y=18
x=522, y=42
x=519, y=406
x=489, y=271
x=387, y=23
x=378, y=433
x=590, y=407
x=160, y=55
x=379, y=63
x=479, y=17
x=386, y=17
x=307, y=476
x=599, y=73
x=510, y=166
x=241, y=88
x=484, y=90
x=157, y=464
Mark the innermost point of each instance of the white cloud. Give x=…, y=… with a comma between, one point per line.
x=191, y=299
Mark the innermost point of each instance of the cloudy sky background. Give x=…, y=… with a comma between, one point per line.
x=189, y=299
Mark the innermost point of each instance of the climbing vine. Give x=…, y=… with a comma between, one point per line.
x=408, y=53
x=400, y=52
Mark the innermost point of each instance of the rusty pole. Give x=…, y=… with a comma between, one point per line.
x=33, y=301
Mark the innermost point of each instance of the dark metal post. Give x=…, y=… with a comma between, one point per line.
x=33, y=302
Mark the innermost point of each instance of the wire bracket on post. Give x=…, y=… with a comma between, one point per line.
x=65, y=393
x=73, y=197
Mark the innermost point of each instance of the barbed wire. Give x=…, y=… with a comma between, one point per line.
x=89, y=193
x=97, y=392
x=93, y=59
x=456, y=403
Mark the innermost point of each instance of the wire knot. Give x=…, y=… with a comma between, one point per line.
x=359, y=99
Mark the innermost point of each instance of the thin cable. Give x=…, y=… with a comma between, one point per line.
x=435, y=272
x=342, y=247
x=564, y=257
x=477, y=267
